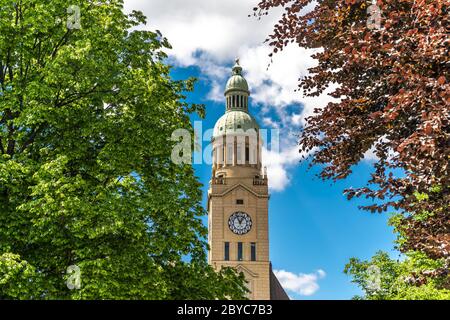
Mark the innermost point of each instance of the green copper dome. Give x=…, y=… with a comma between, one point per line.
x=237, y=82
x=236, y=118
x=234, y=122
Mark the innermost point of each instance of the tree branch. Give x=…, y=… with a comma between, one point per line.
x=2, y=148
x=32, y=137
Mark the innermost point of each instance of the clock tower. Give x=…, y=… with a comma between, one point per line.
x=238, y=195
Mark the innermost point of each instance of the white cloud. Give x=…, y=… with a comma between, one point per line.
x=370, y=155
x=302, y=284
x=216, y=93
x=278, y=164
x=296, y=119
x=218, y=28
x=321, y=273
x=275, y=86
x=269, y=122
x=210, y=34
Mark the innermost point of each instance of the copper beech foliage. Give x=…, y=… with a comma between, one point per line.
x=393, y=86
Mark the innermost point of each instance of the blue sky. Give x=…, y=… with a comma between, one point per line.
x=314, y=229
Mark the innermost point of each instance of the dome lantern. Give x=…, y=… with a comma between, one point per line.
x=236, y=90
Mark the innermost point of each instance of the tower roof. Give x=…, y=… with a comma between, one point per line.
x=234, y=122
x=236, y=119
x=237, y=82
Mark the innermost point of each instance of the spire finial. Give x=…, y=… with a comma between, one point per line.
x=237, y=69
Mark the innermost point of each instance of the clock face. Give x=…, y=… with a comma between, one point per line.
x=240, y=223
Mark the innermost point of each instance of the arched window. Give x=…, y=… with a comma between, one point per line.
x=226, y=253
x=230, y=147
x=223, y=154
x=239, y=153
x=218, y=154
x=253, y=159
x=240, y=251
x=253, y=251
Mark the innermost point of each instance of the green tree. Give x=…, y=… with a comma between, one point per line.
x=87, y=109
x=383, y=278
x=15, y=274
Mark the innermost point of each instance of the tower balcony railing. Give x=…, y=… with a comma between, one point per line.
x=259, y=181
x=223, y=181
x=219, y=180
